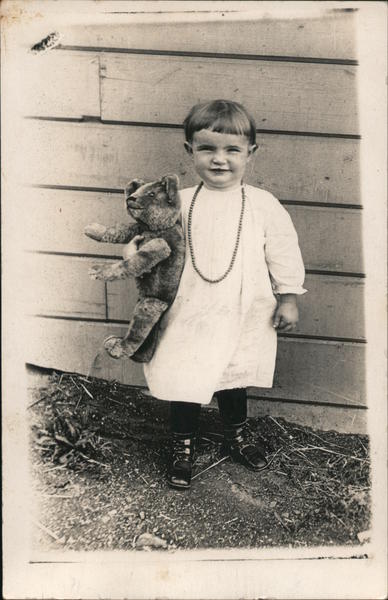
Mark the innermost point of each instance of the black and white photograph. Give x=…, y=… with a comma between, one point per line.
x=194, y=299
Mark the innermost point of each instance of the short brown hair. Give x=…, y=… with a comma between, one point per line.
x=223, y=116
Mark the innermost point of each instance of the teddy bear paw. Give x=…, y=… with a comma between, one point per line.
x=97, y=272
x=95, y=231
x=114, y=347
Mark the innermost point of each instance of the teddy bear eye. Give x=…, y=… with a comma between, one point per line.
x=152, y=194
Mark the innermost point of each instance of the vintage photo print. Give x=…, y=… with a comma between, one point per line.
x=194, y=323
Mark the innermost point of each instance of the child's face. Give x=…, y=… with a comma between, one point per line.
x=220, y=159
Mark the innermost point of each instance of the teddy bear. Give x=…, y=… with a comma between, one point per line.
x=157, y=264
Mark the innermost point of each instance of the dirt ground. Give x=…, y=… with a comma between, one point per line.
x=99, y=452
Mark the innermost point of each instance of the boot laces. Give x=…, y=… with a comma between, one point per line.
x=243, y=440
x=182, y=450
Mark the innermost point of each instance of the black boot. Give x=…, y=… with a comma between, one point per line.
x=239, y=443
x=184, y=417
x=181, y=463
x=242, y=448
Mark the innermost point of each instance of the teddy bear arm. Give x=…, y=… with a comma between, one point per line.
x=147, y=257
x=121, y=233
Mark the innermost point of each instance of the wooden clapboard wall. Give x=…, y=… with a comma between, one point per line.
x=107, y=105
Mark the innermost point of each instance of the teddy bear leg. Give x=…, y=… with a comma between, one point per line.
x=146, y=351
x=114, y=347
x=147, y=313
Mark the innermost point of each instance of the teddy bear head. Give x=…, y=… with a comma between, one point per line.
x=156, y=204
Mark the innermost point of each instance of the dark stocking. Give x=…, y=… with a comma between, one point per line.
x=184, y=417
x=239, y=443
x=233, y=406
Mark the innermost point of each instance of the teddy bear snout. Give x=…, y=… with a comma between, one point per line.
x=133, y=203
x=134, y=208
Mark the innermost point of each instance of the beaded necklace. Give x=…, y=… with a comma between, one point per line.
x=190, y=238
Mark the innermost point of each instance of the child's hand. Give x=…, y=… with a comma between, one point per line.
x=286, y=314
x=133, y=246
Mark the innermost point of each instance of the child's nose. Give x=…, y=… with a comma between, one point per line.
x=218, y=157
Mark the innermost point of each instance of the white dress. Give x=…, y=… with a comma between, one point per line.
x=220, y=335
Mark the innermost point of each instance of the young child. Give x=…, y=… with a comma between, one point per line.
x=242, y=273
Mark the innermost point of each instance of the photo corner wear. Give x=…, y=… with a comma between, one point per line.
x=220, y=335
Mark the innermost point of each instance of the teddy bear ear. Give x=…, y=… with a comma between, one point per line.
x=132, y=186
x=172, y=183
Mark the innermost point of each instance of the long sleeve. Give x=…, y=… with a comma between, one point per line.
x=282, y=252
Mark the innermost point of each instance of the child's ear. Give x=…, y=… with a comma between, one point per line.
x=188, y=148
x=252, y=149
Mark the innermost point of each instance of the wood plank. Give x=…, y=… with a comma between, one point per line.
x=293, y=168
x=321, y=418
x=319, y=371
x=280, y=96
x=61, y=286
x=331, y=35
x=60, y=84
x=330, y=238
x=121, y=297
x=333, y=306
x=307, y=370
x=76, y=346
x=57, y=219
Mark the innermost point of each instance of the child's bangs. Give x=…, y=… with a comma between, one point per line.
x=235, y=124
x=223, y=117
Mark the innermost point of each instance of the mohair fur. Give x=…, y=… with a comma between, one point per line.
x=157, y=265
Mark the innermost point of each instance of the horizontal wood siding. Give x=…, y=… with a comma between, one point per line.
x=285, y=96
x=303, y=169
x=302, y=372
x=333, y=307
x=107, y=105
x=60, y=286
x=331, y=36
x=280, y=96
x=76, y=345
x=330, y=238
x=317, y=416
x=70, y=86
